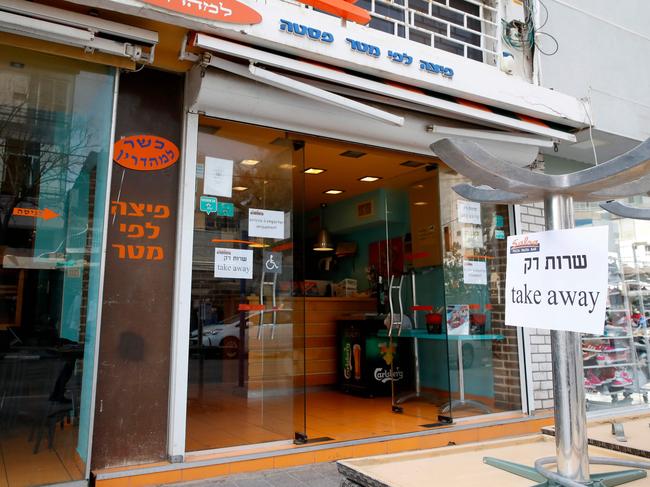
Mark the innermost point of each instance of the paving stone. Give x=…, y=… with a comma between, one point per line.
x=260, y=481
x=317, y=475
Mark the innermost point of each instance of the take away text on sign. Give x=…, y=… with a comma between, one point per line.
x=557, y=280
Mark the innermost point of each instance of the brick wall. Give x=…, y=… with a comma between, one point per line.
x=505, y=353
x=538, y=342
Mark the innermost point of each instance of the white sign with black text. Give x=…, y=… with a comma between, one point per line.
x=265, y=223
x=474, y=272
x=557, y=280
x=233, y=263
x=217, y=175
x=469, y=212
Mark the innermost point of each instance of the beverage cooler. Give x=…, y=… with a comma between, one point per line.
x=367, y=364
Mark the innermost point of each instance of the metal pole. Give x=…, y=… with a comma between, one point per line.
x=568, y=374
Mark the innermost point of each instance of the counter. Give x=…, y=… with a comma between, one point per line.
x=305, y=337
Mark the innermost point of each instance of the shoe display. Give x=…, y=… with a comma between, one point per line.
x=592, y=381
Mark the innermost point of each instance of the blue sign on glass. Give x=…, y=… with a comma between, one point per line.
x=500, y=234
x=208, y=204
x=498, y=221
x=226, y=209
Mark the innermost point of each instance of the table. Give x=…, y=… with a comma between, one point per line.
x=459, y=339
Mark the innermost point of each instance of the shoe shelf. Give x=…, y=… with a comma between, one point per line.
x=605, y=350
x=606, y=337
x=628, y=364
x=615, y=363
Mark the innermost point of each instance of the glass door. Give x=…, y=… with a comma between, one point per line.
x=246, y=353
x=415, y=298
x=483, y=352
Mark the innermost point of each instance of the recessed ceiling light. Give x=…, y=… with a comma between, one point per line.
x=314, y=170
x=353, y=153
x=287, y=166
x=239, y=188
x=412, y=164
x=333, y=191
x=369, y=179
x=250, y=162
x=419, y=186
x=420, y=203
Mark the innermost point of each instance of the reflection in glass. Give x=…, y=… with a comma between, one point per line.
x=55, y=119
x=245, y=377
x=617, y=373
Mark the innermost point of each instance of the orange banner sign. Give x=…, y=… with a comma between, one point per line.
x=230, y=11
x=341, y=8
x=45, y=214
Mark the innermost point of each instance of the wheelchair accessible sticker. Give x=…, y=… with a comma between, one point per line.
x=272, y=262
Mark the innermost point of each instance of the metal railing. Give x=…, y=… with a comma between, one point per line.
x=468, y=28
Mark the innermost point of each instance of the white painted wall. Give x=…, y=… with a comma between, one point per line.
x=604, y=55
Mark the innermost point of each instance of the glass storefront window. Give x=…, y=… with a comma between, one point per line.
x=617, y=373
x=356, y=323
x=483, y=352
x=55, y=127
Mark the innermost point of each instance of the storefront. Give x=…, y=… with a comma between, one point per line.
x=277, y=257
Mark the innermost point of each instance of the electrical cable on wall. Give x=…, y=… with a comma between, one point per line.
x=527, y=34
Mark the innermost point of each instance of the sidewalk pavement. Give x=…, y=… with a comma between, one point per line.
x=317, y=475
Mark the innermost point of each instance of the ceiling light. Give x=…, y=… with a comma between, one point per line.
x=412, y=164
x=314, y=170
x=420, y=203
x=369, y=179
x=324, y=239
x=239, y=188
x=333, y=191
x=287, y=166
x=353, y=153
x=419, y=186
x=250, y=162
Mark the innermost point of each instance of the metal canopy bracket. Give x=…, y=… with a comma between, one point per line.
x=626, y=211
x=497, y=182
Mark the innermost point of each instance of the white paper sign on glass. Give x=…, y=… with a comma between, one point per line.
x=557, y=280
x=474, y=272
x=469, y=212
x=265, y=223
x=472, y=237
x=233, y=263
x=217, y=175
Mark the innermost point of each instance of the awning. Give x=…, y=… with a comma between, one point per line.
x=91, y=34
x=324, y=81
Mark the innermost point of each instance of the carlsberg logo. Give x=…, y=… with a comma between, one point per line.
x=384, y=376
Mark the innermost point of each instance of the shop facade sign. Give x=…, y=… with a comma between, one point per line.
x=557, y=280
x=364, y=47
x=230, y=11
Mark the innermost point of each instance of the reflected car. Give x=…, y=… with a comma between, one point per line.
x=222, y=336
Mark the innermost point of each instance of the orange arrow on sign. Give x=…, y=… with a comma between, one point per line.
x=45, y=214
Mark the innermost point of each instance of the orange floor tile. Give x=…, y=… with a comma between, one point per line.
x=222, y=420
x=21, y=467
